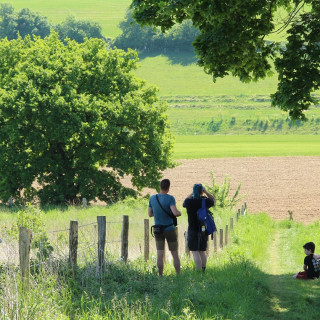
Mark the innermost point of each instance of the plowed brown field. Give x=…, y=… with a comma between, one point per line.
x=272, y=184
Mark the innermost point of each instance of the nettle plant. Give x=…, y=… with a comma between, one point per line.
x=222, y=192
x=31, y=218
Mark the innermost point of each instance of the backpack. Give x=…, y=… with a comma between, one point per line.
x=205, y=219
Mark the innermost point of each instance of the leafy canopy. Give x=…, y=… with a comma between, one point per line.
x=232, y=40
x=74, y=119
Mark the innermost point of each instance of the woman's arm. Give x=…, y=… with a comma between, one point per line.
x=209, y=195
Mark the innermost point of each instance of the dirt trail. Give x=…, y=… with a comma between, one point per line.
x=272, y=184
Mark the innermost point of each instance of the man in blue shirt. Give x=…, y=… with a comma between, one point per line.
x=162, y=207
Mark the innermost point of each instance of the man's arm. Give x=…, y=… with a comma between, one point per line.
x=150, y=212
x=305, y=268
x=175, y=211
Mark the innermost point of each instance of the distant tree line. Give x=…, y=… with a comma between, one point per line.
x=26, y=22
x=148, y=39
x=151, y=39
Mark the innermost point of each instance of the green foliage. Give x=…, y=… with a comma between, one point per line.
x=78, y=30
x=25, y=22
x=299, y=65
x=221, y=192
x=31, y=217
x=149, y=39
x=232, y=41
x=75, y=119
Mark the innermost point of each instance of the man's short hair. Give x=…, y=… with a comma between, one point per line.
x=165, y=184
x=310, y=246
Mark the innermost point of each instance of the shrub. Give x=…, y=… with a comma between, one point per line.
x=221, y=192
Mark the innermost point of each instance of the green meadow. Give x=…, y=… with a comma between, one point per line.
x=251, y=278
x=223, y=146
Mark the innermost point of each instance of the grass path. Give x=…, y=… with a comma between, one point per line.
x=277, y=284
x=289, y=298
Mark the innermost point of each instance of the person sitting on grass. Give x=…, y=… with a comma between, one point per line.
x=311, y=263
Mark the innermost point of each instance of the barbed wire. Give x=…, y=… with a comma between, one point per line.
x=88, y=224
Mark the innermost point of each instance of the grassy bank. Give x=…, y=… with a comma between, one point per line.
x=240, y=282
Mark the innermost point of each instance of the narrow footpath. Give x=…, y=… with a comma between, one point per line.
x=290, y=299
x=277, y=284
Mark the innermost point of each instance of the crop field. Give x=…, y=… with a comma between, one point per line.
x=271, y=184
x=235, y=115
x=216, y=146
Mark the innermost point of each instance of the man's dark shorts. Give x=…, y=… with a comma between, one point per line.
x=172, y=239
x=197, y=242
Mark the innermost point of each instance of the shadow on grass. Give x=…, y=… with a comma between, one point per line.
x=293, y=299
x=237, y=290
x=182, y=58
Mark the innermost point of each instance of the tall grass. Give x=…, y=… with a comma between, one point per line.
x=134, y=290
x=239, y=283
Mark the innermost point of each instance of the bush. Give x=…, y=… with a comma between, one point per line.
x=221, y=192
x=31, y=218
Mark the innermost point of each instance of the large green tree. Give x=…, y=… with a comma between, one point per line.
x=74, y=120
x=232, y=40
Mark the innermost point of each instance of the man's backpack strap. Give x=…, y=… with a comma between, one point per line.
x=203, y=203
x=171, y=215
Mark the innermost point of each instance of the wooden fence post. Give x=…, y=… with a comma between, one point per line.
x=208, y=246
x=238, y=214
x=25, y=237
x=73, y=244
x=231, y=223
x=226, y=236
x=124, y=238
x=186, y=248
x=146, y=240
x=10, y=202
x=84, y=202
x=101, y=240
x=221, y=238
x=215, y=241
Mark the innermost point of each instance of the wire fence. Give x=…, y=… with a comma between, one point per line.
x=96, y=244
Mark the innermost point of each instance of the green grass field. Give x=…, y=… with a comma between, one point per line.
x=237, y=115
x=178, y=74
x=251, y=278
x=197, y=147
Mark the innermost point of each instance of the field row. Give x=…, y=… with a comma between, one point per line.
x=228, y=146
